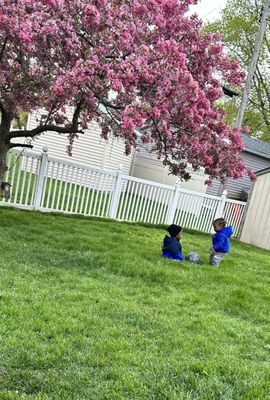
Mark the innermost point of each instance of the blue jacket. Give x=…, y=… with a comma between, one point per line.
x=172, y=248
x=221, y=241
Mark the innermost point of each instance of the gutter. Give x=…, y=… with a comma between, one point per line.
x=257, y=153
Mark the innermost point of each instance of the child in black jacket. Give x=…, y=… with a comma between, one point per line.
x=171, y=244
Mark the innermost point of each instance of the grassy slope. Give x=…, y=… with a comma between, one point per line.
x=89, y=310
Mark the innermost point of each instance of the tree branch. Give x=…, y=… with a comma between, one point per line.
x=3, y=47
x=11, y=145
x=76, y=114
x=112, y=117
x=6, y=118
x=266, y=41
x=41, y=129
x=50, y=112
x=2, y=109
x=107, y=104
x=259, y=87
x=71, y=128
x=261, y=80
x=83, y=36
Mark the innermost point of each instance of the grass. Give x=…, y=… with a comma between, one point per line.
x=90, y=311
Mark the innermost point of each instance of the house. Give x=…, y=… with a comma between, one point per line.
x=91, y=150
x=256, y=224
x=145, y=165
x=256, y=155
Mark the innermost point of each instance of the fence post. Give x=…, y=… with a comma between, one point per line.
x=41, y=175
x=173, y=205
x=116, y=192
x=221, y=206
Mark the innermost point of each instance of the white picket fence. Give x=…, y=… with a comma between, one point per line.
x=45, y=183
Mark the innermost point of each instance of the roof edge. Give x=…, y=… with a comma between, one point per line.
x=257, y=153
x=262, y=171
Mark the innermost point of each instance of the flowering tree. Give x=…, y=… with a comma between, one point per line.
x=143, y=69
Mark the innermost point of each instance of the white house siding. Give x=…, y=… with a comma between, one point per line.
x=146, y=166
x=88, y=149
x=256, y=226
x=235, y=187
x=91, y=150
x=115, y=155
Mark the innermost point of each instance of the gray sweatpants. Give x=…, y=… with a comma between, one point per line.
x=215, y=258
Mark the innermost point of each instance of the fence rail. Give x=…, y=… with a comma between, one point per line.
x=46, y=183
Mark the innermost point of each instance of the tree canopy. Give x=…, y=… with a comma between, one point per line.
x=239, y=26
x=145, y=70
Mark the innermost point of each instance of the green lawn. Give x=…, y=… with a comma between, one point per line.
x=90, y=311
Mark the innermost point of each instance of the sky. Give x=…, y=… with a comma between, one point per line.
x=208, y=10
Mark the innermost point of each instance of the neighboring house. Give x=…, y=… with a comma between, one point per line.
x=255, y=229
x=91, y=150
x=256, y=155
x=145, y=165
x=88, y=149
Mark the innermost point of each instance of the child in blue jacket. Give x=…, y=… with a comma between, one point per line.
x=171, y=244
x=220, y=240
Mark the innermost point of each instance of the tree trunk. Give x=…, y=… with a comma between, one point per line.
x=5, y=126
x=3, y=166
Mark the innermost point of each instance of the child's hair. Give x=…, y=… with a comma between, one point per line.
x=220, y=221
x=174, y=230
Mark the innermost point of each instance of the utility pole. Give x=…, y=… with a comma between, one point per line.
x=253, y=64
